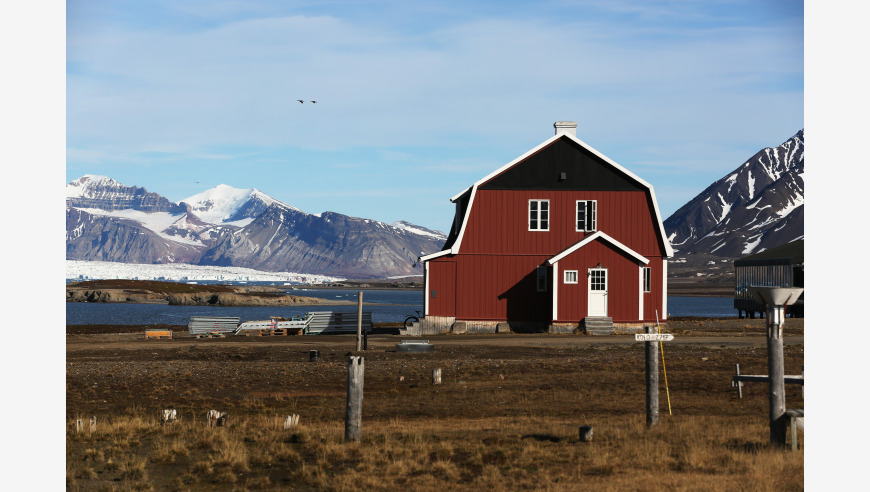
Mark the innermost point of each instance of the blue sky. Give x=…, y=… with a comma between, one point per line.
x=417, y=100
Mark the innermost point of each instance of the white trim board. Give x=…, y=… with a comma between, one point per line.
x=599, y=235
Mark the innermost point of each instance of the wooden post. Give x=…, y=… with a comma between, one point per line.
x=80, y=425
x=436, y=376
x=776, y=376
x=359, y=323
x=356, y=369
x=739, y=383
x=652, y=381
x=585, y=433
x=291, y=421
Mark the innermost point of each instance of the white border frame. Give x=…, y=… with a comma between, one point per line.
x=529, y=214
x=606, y=290
x=555, y=313
x=577, y=212
x=576, y=277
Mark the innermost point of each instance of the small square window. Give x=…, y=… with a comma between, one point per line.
x=570, y=276
x=647, y=279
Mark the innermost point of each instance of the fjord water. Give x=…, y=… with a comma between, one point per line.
x=390, y=306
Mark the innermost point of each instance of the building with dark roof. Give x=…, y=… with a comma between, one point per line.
x=782, y=266
x=558, y=238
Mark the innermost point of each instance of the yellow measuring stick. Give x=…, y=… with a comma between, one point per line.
x=664, y=368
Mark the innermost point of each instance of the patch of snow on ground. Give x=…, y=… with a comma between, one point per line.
x=268, y=200
x=155, y=221
x=751, y=180
x=419, y=232
x=726, y=207
x=731, y=180
x=752, y=244
x=791, y=206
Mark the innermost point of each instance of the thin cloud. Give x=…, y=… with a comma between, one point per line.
x=449, y=93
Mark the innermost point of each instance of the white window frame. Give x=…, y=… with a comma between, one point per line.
x=542, y=279
x=570, y=277
x=537, y=221
x=587, y=227
x=647, y=279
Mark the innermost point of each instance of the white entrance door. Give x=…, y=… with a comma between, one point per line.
x=597, y=292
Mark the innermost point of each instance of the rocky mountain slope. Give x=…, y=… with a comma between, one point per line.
x=758, y=206
x=227, y=226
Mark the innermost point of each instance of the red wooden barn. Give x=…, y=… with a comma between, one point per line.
x=560, y=239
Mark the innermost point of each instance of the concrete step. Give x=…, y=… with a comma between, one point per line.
x=598, y=325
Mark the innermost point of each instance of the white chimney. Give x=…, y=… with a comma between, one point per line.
x=566, y=127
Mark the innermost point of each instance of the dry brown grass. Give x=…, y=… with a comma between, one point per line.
x=682, y=453
x=475, y=431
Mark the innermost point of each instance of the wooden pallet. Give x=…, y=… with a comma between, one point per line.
x=158, y=334
x=211, y=335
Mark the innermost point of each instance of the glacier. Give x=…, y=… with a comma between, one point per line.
x=179, y=272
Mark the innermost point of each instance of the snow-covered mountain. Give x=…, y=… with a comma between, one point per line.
x=103, y=193
x=227, y=205
x=756, y=207
x=226, y=226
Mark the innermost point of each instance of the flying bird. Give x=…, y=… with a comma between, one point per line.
x=314, y=102
x=300, y=101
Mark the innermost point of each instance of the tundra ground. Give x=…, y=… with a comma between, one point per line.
x=505, y=416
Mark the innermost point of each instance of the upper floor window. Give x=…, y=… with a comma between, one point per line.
x=647, y=279
x=539, y=215
x=587, y=215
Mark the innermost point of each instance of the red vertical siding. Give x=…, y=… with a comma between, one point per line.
x=442, y=280
x=500, y=288
x=623, y=283
x=494, y=274
x=498, y=222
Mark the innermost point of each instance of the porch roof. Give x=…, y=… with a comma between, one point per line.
x=599, y=235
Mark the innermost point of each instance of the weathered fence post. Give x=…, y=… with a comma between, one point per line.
x=739, y=383
x=356, y=369
x=291, y=421
x=585, y=433
x=80, y=425
x=93, y=422
x=359, y=323
x=436, y=376
x=652, y=381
